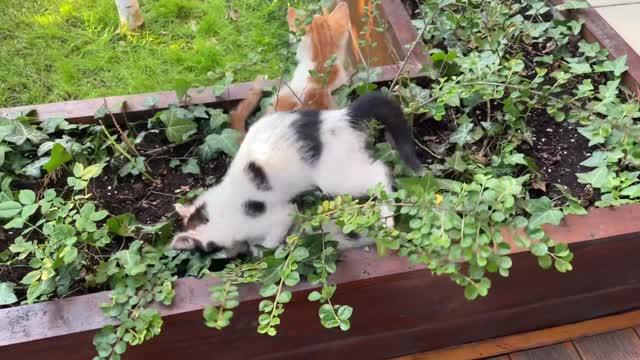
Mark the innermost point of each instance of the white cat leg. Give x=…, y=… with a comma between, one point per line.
x=280, y=223
x=356, y=179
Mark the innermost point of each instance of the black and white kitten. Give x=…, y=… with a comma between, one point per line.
x=283, y=155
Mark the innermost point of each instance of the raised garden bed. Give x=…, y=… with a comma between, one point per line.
x=399, y=308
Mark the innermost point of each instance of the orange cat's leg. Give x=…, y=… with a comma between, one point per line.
x=286, y=102
x=239, y=115
x=317, y=98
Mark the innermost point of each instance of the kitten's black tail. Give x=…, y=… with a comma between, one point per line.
x=375, y=105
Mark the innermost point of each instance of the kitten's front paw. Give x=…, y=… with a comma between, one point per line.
x=255, y=252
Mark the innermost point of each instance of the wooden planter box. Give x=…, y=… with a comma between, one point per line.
x=398, y=309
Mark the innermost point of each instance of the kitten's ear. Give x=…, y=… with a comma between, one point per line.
x=339, y=18
x=185, y=241
x=183, y=211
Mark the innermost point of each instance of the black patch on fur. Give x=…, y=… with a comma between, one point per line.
x=209, y=248
x=254, y=208
x=307, y=130
x=353, y=236
x=375, y=105
x=258, y=177
x=199, y=217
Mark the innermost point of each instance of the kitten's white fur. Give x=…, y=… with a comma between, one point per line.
x=272, y=144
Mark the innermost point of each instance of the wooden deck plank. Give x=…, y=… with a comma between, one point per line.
x=503, y=357
x=619, y=345
x=563, y=351
x=533, y=339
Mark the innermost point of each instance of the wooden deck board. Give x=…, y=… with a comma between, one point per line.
x=534, y=339
x=619, y=345
x=563, y=351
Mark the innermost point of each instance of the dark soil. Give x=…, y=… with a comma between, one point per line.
x=557, y=152
x=152, y=202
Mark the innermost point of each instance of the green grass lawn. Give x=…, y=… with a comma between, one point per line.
x=54, y=50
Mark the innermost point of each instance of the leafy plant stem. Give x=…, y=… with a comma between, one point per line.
x=123, y=136
x=123, y=152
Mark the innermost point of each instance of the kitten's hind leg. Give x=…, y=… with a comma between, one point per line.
x=280, y=221
x=356, y=179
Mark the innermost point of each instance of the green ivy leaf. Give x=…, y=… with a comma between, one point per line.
x=345, y=325
x=23, y=132
x=27, y=197
x=120, y=348
x=31, y=277
x=226, y=142
x=59, y=156
x=632, y=191
x=580, y=68
x=598, y=177
x=292, y=279
x=545, y=261
x=300, y=253
x=26, y=212
x=34, y=169
x=220, y=86
x=617, y=66
x=178, y=129
x=285, y=297
x=50, y=125
x=182, y=86
x=191, y=167
x=314, y=296
x=539, y=249
x=9, y=209
x=268, y=290
x=465, y=134
x=597, y=159
x=344, y=312
x=543, y=212
x=563, y=266
x=573, y=5
x=7, y=128
x=3, y=150
x=101, y=112
x=589, y=49
x=471, y=292
x=217, y=119
x=7, y=295
x=265, y=305
x=91, y=172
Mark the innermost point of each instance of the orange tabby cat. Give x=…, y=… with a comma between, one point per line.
x=327, y=35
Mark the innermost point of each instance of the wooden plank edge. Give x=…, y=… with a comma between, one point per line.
x=81, y=313
x=597, y=29
x=400, y=314
x=403, y=32
x=532, y=339
x=82, y=111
